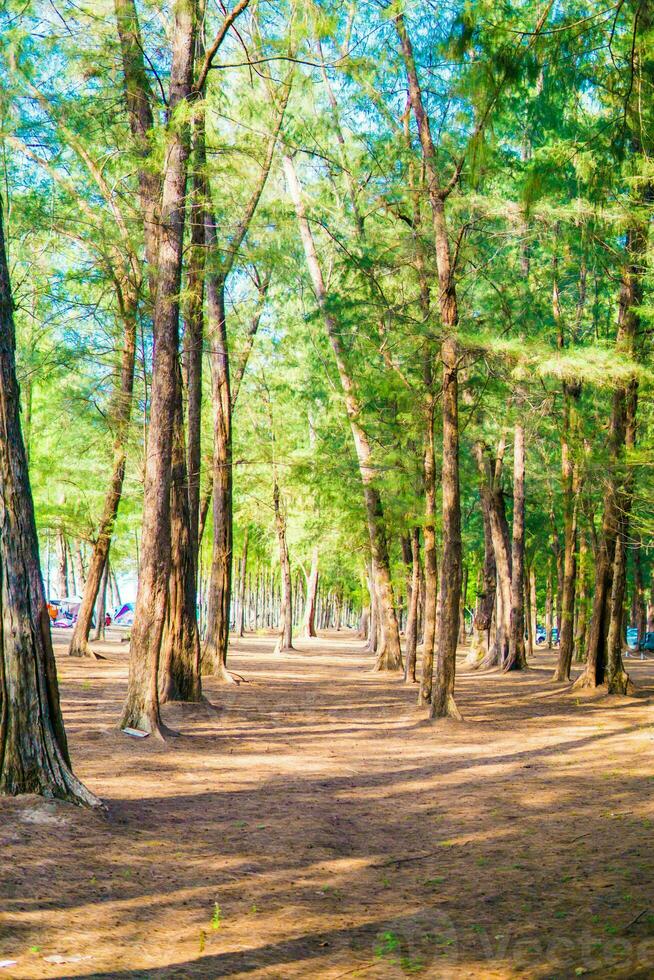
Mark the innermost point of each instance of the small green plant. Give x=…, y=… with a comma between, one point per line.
x=203, y=940
x=388, y=949
x=216, y=918
x=390, y=943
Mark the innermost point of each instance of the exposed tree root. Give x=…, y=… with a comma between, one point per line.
x=84, y=650
x=445, y=707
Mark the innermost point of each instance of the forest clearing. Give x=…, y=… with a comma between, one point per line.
x=338, y=833
x=326, y=488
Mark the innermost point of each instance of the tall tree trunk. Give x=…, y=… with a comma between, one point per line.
x=121, y=413
x=194, y=336
x=618, y=681
x=371, y=646
x=431, y=558
x=616, y=676
x=604, y=655
x=569, y=479
x=412, y=616
x=389, y=654
x=567, y=563
x=548, y=607
x=309, y=618
x=220, y=587
x=560, y=556
x=640, y=619
x=62, y=565
x=443, y=704
x=493, y=500
x=533, y=600
x=179, y=669
x=80, y=568
x=462, y=606
x=72, y=584
x=582, y=605
x=285, y=639
x=241, y=592
x=142, y=703
x=114, y=579
x=224, y=397
x=33, y=749
x=101, y=604
x=483, y=617
x=516, y=659
x=529, y=621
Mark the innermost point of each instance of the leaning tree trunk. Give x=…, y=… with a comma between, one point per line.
x=223, y=401
x=309, y=618
x=389, y=653
x=33, y=750
x=516, y=659
x=79, y=643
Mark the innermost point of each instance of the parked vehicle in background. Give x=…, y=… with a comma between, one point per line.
x=541, y=635
x=647, y=642
x=632, y=638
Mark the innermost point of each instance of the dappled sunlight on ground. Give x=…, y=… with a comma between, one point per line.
x=316, y=825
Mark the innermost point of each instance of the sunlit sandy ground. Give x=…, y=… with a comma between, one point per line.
x=317, y=826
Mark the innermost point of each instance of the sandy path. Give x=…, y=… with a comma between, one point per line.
x=338, y=834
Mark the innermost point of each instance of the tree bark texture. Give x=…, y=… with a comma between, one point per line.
x=33, y=749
